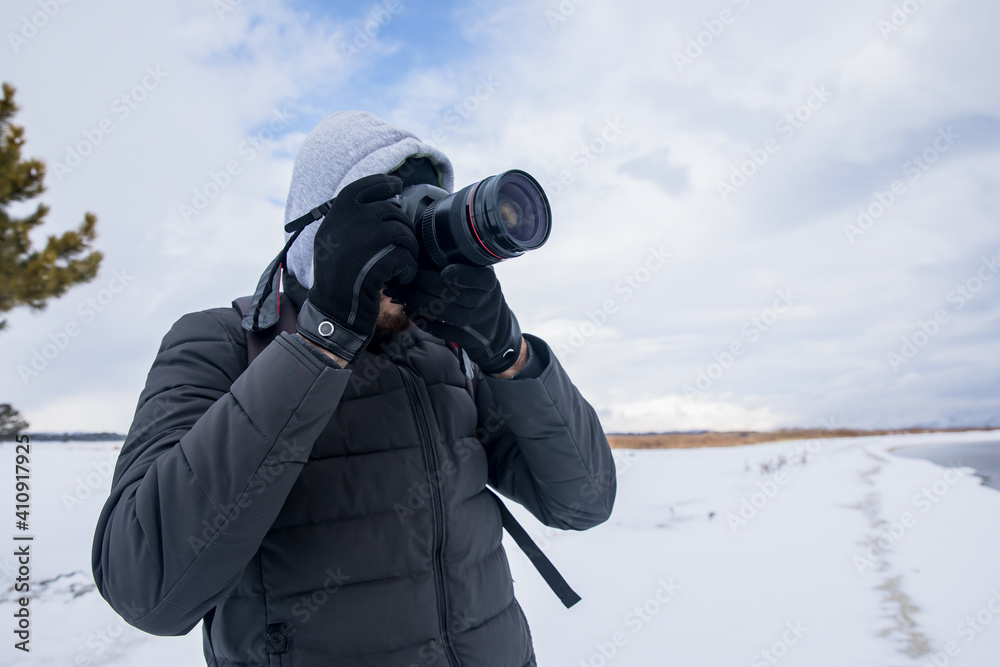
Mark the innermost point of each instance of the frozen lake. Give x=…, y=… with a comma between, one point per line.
x=983, y=457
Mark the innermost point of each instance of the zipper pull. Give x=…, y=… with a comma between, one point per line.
x=277, y=638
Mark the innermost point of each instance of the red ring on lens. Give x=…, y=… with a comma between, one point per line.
x=468, y=209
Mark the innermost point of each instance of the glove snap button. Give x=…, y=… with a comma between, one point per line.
x=325, y=328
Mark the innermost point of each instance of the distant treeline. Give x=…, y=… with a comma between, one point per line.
x=691, y=439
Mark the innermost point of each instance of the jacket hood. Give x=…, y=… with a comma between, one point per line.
x=344, y=147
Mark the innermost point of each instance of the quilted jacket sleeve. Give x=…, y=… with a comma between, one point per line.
x=545, y=446
x=210, y=457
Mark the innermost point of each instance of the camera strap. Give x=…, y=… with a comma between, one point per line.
x=263, y=310
x=537, y=557
x=257, y=340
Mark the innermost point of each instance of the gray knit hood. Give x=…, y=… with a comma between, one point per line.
x=344, y=147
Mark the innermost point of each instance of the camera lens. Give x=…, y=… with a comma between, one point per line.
x=521, y=211
x=514, y=208
x=487, y=222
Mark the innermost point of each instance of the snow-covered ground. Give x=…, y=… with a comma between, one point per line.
x=825, y=552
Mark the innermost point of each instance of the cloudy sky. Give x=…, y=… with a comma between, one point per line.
x=766, y=214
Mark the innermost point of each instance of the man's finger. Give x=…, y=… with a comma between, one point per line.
x=377, y=187
x=469, y=277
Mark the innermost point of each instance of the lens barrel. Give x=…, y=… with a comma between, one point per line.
x=497, y=218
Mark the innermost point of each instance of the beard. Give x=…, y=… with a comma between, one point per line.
x=392, y=323
x=391, y=318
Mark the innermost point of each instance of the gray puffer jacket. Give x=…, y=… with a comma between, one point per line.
x=317, y=516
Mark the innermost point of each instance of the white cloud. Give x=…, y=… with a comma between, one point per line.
x=555, y=89
x=784, y=228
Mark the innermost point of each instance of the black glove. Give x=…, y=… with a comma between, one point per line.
x=464, y=305
x=363, y=242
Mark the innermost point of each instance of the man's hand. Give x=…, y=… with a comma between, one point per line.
x=522, y=361
x=465, y=305
x=362, y=242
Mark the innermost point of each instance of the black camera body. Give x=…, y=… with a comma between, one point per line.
x=498, y=218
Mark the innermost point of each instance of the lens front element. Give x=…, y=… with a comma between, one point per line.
x=513, y=211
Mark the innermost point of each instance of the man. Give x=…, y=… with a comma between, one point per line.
x=326, y=504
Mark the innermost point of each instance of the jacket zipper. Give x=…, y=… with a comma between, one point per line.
x=425, y=439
